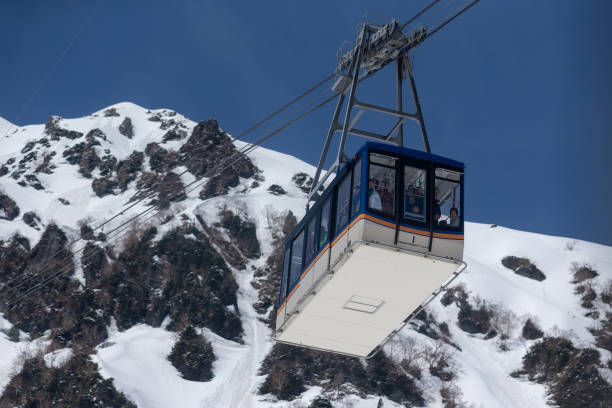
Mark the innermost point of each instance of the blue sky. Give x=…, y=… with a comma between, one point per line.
x=519, y=91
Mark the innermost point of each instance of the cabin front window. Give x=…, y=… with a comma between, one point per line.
x=356, y=188
x=296, y=259
x=311, y=241
x=324, y=228
x=284, y=277
x=415, y=193
x=342, y=208
x=447, y=203
x=381, y=183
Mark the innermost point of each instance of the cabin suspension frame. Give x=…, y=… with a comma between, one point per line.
x=375, y=48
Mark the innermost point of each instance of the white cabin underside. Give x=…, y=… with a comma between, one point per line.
x=369, y=294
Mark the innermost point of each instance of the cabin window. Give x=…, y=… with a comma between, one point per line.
x=296, y=259
x=311, y=240
x=283, y=293
x=415, y=193
x=356, y=188
x=447, y=203
x=324, y=228
x=381, y=183
x=342, y=207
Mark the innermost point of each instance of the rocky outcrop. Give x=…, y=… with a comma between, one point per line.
x=302, y=181
x=8, y=208
x=267, y=278
x=277, y=190
x=126, y=171
x=126, y=128
x=31, y=219
x=160, y=159
x=523, y=267
x=84, y=155
x=243, y=233
x=51, y=262
x=111, y=112
x=55, y=132
x=205, y=149
x=46, y=166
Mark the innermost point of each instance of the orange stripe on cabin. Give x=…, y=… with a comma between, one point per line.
x=314, y=261
x=451, y=236
x=281, y=308
x=414, y=231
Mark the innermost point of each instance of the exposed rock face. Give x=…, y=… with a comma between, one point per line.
x=160, y=159
x=8, y=208
x=531, y=331
x=55, y=132
x=46, y=166
x=126, y=172
x=111, y=112
x=84, y=154
x=275, y=189
x=523, y=267
x=242, y=233
x=127, y=169
x=206, y=148
x=31, y=219
x=302, y=181
x=126, y=128
x=50, y=261
x=104, y=186
x=268, y=277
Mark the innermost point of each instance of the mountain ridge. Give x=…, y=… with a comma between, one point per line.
x=127, y=292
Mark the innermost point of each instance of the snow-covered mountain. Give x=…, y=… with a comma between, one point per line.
x=174, y=311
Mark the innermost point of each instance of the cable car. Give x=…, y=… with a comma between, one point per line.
x=377, y=245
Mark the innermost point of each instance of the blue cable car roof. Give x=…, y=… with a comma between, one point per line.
x=400, y=151
x=417, y=154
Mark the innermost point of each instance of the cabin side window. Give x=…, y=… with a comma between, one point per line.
x=447, y=199
x=355, y=200
x=415, y=194
x=311, y=241
x=324, y=227
x=342, y=207
x=285, y=276
x=297, y=249
x=381, y=183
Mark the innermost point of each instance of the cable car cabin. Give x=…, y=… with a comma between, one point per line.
x=375, y=248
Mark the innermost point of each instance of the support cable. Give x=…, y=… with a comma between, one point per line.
x=55, y=65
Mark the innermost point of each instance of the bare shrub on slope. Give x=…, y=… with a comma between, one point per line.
x=571, y=374
x=192, y=355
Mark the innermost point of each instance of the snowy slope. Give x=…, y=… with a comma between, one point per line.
x=136, y=358
x=5, y=126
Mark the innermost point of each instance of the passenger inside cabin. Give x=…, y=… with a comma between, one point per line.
x=311, y=245
x=323, y=236
x=436, y=206
x=386, y=197
x=454, y=217
x=436, y=219
x=413, y=206
x=373, y=196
